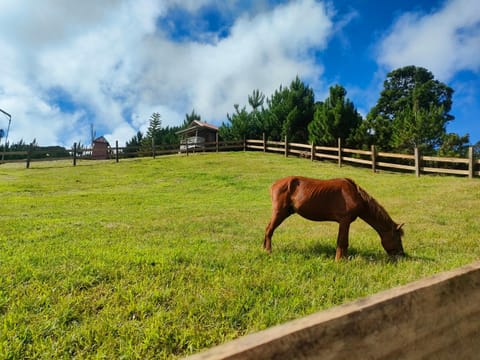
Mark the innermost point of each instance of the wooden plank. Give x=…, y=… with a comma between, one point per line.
x=255, y=147
x=14, y=153
x=436, y=317
x=395, y=166
x=167, y=152
x=275, y=149
x=445, y=171
x=358, y=152
x=295, y=151
x=396, y=156
x=279, y=143
x=418, y=161
x=356, y=160
x=326, y=156
x=326, y=148
x=303, y=146
x=446, y=159
x=470, y=162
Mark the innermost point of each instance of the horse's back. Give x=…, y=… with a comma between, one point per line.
x=307, y=193
x=290, y=184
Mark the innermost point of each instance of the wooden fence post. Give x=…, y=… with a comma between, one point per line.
x=75, y=154
x=470, y=162
x=244, y=143
x=264, y=143
x=417, y=161
x=374, y=158
x=29, y=155
x=286, y=146
x=116, y=151
x=216, y=142
x=339, y=152
x=312, y=152
x=153, y=148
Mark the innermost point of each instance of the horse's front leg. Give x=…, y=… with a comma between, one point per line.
x=342, y=240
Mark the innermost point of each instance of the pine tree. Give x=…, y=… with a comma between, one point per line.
x=334, y=118
x=153, y=131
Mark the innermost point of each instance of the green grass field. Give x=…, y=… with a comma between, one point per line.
x=163, y=258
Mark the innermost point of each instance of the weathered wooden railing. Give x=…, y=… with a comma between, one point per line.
x=433, y=318
x=416, y=162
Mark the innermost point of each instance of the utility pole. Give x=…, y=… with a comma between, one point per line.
x=92, y=134
x=8, y=130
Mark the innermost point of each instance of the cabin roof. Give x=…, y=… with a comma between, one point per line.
x=196, y=125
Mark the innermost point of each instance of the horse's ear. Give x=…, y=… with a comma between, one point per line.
x=399, y=226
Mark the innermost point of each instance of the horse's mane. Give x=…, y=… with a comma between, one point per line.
x=377, y=210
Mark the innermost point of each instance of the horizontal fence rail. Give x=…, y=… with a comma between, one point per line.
x=416, y=163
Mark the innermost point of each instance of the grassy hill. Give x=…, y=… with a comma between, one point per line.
x=162, y=258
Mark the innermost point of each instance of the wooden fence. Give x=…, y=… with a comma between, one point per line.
x=416, y=163
x=433, y=318
x=374, y=159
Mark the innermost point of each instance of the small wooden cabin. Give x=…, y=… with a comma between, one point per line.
x=100, y=149
x=196, y=134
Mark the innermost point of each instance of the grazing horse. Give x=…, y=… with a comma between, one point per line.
x=340, y=200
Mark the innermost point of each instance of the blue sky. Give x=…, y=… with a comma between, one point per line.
x=68, y=65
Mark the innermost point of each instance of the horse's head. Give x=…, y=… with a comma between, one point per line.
x=392, y=241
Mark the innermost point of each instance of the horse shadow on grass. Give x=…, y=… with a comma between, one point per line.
x=327, y=251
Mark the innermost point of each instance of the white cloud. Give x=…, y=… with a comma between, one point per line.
x=262, y=52
x=116, y=67
x=445, y=41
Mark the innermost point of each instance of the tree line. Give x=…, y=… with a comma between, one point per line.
x=413, y=110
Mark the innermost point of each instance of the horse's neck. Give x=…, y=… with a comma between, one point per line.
x=377, y=218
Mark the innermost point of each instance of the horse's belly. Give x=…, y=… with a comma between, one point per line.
x=317, y=215
x=321, y=206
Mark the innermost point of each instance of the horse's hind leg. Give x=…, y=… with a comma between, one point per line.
x=277, y=218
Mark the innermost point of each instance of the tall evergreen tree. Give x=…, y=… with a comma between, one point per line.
x=134, y=143
x=276, y=114
x=334, y=118
x=191, y=117
x=289, y=112
x=154, y=127
x=301, y=105
x=240, y=126
x=256, y=99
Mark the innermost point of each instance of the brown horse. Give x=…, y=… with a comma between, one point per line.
x=340, y=200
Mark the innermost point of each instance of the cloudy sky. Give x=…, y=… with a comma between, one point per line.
x=67, y=65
